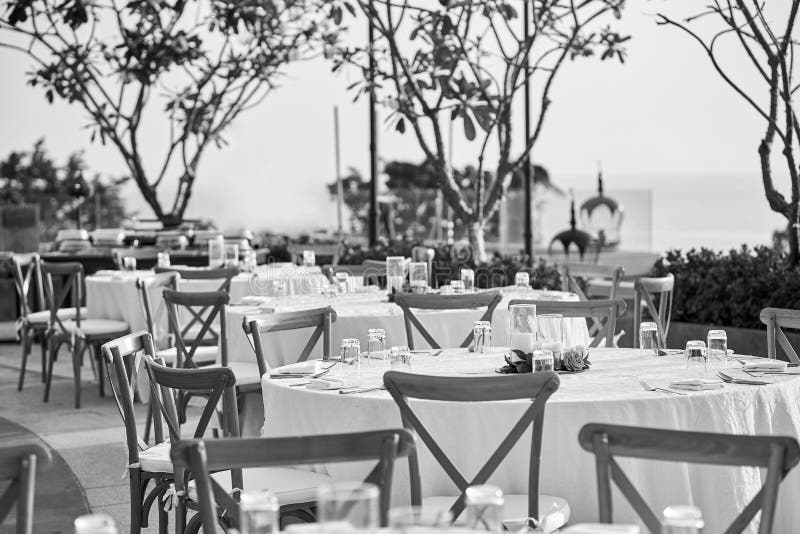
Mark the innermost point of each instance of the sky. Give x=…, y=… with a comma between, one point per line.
x=663, y=121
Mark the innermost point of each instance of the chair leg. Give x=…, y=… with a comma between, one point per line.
x=101, y=376
x=136, y=500
x=77, y=358
x=148, y=422
x=53, y=347
x=26, y=349
x=44, y=357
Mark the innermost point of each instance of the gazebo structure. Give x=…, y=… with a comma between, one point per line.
x=602, y=217
x=572, y=236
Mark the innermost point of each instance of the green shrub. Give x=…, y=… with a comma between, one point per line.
x=729, y=289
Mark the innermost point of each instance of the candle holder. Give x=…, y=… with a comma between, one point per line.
x=550, y=336
x=522, y=330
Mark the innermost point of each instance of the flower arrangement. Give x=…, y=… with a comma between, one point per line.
x=574, y=360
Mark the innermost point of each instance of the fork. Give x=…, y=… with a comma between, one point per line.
x=648, y=387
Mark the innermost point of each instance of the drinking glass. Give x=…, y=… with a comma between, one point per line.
x=258, y=513
x=458, y=287
x=395, y=273
x=542, y=360
x=484, y=508
x=351, y=351
x=522, y=327
x=718, y=345
x=129, y=263
x=342, y=281
x=468, y=279
x=350, y=505
x=400, y=358
x=376, y=343
x=418, y=277
x=682, y=519
x=216, y=252
x=522, y=280
x=696, y=357
x=309, y=259
x=648, y=337
x=231, y=255
x=95, y=524
x=416, y=517
x=482, y=334
x=550, y=335
x=163, y=259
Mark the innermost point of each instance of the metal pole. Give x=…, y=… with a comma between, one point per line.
x=373, y=136
x=528, y=231
x=339, y=190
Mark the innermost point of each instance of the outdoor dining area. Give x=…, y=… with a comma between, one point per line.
x=290, y=397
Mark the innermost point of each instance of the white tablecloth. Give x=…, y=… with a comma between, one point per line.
x=608, y=393
x=358, y=313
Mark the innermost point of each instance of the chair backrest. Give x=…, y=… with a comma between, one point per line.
x=408, y=302
x=25, y=278
x=646, y=291
x=775, y=453
x=536, y=387
x=211, y=306
x=70, y=275
x=122, y=357
x=166, y=280
x=606, y=312
x=776, y=320
x=147, y=253
x=200, y=458
x=225, y=274
x=571, y=273
x=320, y=319
x=20, y=458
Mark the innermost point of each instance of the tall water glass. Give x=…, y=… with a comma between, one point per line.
x=482, y=335
x=216, y=252
x=696, y=358
x=458, y=287
x=522, y=280
x=682, y=519
x=411, y=518
x=550, y=336
x=468, y=278
x=309, y=258
x=351, y=351
x=258, y=513
x=348, y=505
x=522, y=327
x=718, y=345
x=542, y=360
x=418, y=277
x=400, y=359
x=648, y=337
x=376, y=344
x=163, y=259
x=395, y=273
x=231, y=255
x=484, y=508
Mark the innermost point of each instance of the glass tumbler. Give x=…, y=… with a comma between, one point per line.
x=216, y=252
x=309, y=258
x=522, y=280
x=458, y=287
x=258, y=513
x=468, y=278
x=400, y=359
x=350, y=351
x=410, y=518
x=482, y=334
x=682, y=519
x=129, y=263
x=542, y=360
x=522, y=327
x=648, y=337
x=484, y=508
x=341, y=281
x=376, y=344
x=718, y=345
x=550, y=335
x=696, y=357
x=418, y=277
x=395, y=273
x=348, y=506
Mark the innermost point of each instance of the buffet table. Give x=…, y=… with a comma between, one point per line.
x=609, y=392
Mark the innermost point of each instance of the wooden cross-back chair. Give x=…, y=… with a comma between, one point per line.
x=533, y=387
x=645, y=293
x=204, y=308
x=146, y=257
x=225, y=275
x=408, y=302
x=146, y=463
x=215, y=502
x=20, y=459
x=320, y=319
x=32, y=326
x=576, y=276
x=776, y=320
x=605, y=311
x=77, y=333
x=775, y=453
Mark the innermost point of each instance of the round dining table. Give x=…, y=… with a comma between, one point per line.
x=611, y=391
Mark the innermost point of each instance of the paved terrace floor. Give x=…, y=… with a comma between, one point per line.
x=91, y=440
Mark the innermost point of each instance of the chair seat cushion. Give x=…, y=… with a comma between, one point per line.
x=246, y=373
x=156, y=459
x=289, y=485
x=202, y=355
x=98, y=327
x=44, y=315
x=554, y=511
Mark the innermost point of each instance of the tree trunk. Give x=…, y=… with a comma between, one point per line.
x=476, y=231
x=792, y=236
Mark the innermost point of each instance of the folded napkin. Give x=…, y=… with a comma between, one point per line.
x=697, y=384
x=597, y=528
x=332, y=383
x=765, y=366
x=309, y=367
